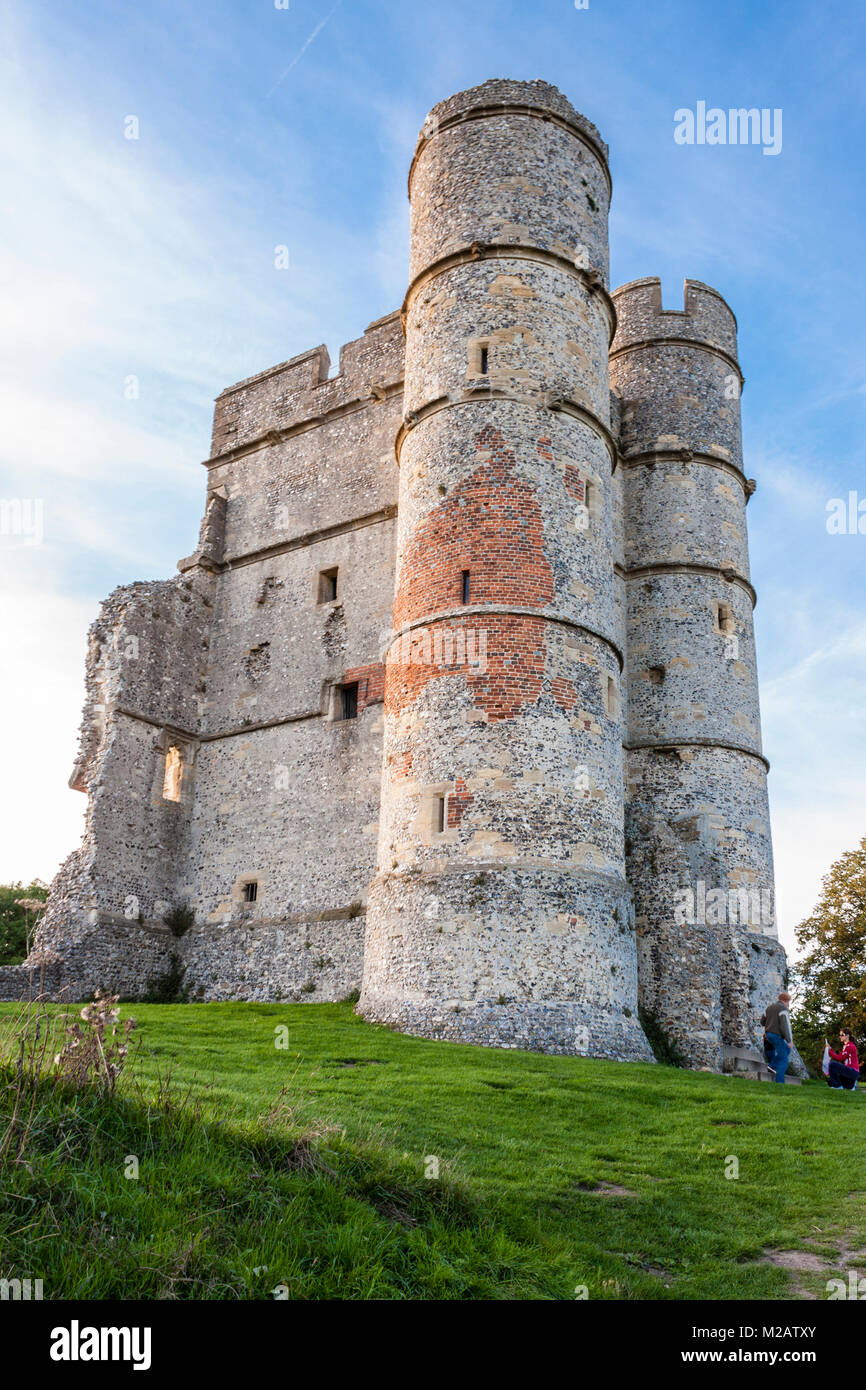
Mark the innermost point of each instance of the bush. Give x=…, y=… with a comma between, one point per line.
x=179, y=919
x=16, y=921
x=168, y=987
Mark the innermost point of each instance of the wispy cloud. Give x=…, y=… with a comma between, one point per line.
x=306, y=44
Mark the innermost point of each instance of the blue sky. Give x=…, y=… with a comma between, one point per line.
x=261, y=126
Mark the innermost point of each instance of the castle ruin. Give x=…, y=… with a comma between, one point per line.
x=455, y=702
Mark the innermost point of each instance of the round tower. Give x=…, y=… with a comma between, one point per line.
x=500, y=912
x=697, y=818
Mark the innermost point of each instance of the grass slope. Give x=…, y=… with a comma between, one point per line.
x=303, y=1166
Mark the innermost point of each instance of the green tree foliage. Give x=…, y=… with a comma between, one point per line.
x=14, y=919
x=830, y=979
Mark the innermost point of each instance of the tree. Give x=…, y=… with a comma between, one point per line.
x=830, y=978
x=16, y=922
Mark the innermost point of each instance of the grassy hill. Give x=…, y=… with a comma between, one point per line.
x=302, y=1167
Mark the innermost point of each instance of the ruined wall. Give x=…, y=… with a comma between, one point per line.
x=103, y=924
x=500, y=912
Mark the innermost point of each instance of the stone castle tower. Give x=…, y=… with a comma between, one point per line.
x=456, y=702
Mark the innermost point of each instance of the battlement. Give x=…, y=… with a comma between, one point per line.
x=302, y=389
x=704, y=318
x=511, y=96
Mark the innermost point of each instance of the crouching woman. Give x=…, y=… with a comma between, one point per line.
x=844, y=1070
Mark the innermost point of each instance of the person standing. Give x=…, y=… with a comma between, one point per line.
x=778, y=1038
x=844, y=1070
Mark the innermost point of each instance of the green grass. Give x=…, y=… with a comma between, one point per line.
x=329, y=1196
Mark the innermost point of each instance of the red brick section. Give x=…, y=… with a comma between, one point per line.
x=400, y=765
x=512, y=680
x=458, y=803
x=371, y=683
x=574, y=484
x=491, y=525
x=564, y=693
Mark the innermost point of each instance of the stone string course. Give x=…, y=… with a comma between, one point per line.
x=514, y=518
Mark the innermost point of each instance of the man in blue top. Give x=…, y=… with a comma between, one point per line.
x=778, y=1039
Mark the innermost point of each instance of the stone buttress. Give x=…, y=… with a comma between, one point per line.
x=500, y=912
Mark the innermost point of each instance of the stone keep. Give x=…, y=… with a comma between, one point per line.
x=455, y=702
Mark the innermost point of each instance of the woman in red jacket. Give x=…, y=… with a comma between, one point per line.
x=844, y=1069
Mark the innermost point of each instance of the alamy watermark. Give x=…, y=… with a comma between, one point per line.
x=847, y=517
x=15, y=1289
x=23, y=519
x=713, y=907
x=441, y=647
x=854, y=1289
x=736, y=126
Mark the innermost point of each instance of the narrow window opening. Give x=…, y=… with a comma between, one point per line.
x=251, y=892
x=173, y=776
x=465, y=586
x=725, y=618
x=328, y=585
x=349, y=701
x=477, y=359
x=440, y=814
x=611, y=698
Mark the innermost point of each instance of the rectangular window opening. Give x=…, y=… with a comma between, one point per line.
x=349, y=701
x=173, y=775
x=484, y=361
x=465, y=586
x=440, y=814
x=724, y=617
x=251, y=892
x=328, y=585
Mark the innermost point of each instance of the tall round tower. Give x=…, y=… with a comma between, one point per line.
x=500, y=912
x=697, y=818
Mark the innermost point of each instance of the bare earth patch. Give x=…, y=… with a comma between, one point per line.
x=797, y=1262
x=852, y=1254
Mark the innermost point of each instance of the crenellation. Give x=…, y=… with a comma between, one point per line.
x=301, y=392
x=705, y=317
